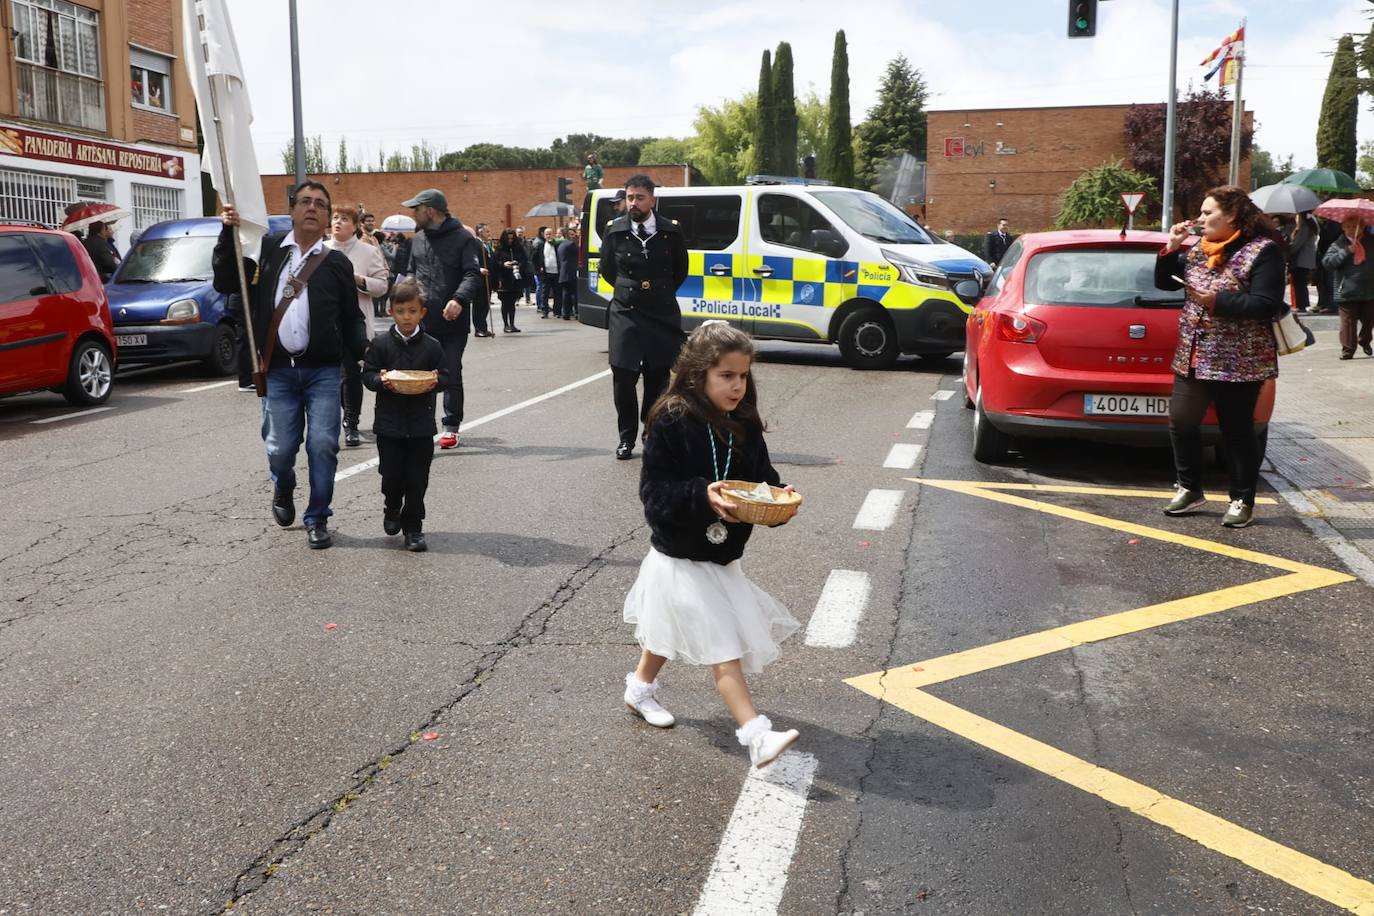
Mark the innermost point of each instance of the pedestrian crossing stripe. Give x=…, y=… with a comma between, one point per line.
x=905, y=687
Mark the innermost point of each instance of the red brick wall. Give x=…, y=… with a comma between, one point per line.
x=498, y=198
x=150, y=24
x=1053, y=146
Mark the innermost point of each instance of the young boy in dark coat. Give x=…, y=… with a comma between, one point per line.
x=404, y=423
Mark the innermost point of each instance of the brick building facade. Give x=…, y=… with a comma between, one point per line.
x=1015, y=162
x=95, y=105
x=497, y=197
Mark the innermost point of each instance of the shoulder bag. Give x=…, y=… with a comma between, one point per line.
x=295, y=284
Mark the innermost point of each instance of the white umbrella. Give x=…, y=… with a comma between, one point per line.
x=1285, y=198
x=551, y=208
x=398, y=222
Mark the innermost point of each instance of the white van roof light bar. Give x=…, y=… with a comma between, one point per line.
x=782, y=179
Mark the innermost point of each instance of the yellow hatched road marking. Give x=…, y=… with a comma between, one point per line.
x=1101, y=491
x=902, y=687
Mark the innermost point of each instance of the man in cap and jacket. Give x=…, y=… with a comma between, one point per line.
x=446, y=260
x=644, y=257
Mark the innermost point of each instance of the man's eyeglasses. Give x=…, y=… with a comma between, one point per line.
x=318, y=203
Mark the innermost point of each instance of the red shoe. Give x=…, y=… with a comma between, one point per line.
x=448, y=440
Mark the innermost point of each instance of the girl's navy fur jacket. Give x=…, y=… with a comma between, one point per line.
x=672, y=485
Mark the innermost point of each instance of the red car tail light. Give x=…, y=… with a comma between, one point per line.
x=1019, y=328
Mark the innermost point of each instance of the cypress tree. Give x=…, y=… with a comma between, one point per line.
x=1336, y=139
x=765, y=137
x=896, y=123
x=838, y=161
x=785, y=112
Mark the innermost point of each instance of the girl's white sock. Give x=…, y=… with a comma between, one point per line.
x=752, y=729
x=639, y=690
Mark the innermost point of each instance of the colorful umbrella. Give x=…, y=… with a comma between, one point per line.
x=1324, y=181
x=398, y=222
x=1340, y=209
x=1285, y=198
x=80, y=216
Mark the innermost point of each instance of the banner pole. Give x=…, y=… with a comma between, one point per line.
x=238, y=242
x=1237, y=115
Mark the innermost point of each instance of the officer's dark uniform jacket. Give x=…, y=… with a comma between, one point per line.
x=644, y=319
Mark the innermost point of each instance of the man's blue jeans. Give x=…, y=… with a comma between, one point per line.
x=301, y=404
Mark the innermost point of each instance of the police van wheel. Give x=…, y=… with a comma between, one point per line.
x=989, y=443
x=868, y=341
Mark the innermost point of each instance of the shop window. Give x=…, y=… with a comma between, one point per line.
x=150, y=80
x=57, y=51
x=154, y=204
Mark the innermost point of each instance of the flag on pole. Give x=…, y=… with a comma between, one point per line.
x=212, y=54
x=1230, y=41
x=1227, y=57
x=1230, y=68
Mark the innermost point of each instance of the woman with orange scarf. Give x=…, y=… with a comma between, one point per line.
x=1226, y=350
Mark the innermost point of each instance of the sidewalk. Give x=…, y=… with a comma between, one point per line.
x=1321, y=442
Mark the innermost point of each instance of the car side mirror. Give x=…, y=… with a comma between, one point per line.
x=970, y=291
x=828, y=243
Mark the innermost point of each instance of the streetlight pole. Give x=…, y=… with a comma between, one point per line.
x=1167, y=215
x=299, y=142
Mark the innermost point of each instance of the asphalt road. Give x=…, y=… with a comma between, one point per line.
x=199, y=711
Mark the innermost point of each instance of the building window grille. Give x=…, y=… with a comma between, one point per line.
x=31, y=197
x=150, y=81
x=57, y=51
x=153, y=204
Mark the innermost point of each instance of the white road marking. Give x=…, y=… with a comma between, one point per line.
x=358, y=468
x=921, y=419
x=902, y=455
x=944, y=394
x=1354, y=559
x=749, y=872
x=72, y=416
x=835, y=622
x=232, y=381
x=879, y=510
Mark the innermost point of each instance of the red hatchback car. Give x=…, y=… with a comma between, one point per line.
x=55, y=326
x=1073, y=339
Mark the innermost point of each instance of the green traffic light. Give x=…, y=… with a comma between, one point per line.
x=1081, y=23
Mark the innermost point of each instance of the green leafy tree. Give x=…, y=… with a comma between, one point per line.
x=837, y=161
x=343, y=154
x=1202, y=144
x=723, y=148
x=765, y=135
x=316, y=162
x=812, y=122
x=1265, y=171
x=1365, y=164
x=666, y=151
x=784, y=112
x=896, y=123
x=1336, y=126
x=1094, y=198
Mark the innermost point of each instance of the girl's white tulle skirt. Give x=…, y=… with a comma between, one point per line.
x=704, y=613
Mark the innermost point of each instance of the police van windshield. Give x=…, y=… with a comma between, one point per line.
x=874, y=218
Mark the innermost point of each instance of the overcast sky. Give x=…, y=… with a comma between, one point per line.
x=392, y=72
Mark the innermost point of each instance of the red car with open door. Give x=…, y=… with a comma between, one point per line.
x=1074, y=340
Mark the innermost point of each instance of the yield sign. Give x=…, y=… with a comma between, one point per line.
x=1132, y=199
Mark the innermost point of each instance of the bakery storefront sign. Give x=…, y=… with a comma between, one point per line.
x=33, y=144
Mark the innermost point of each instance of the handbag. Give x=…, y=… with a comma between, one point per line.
x=1290, y=334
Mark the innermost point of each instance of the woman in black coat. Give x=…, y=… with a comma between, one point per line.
x=567, y=275
x=512, y=266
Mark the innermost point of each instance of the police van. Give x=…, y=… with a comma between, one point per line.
x=807, y=263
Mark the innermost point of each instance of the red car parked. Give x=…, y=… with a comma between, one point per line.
x=55, y=327
x=1073, y=339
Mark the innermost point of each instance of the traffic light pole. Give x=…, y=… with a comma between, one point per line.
x=1171, y=117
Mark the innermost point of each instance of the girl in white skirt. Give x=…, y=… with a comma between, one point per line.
x=692, y=602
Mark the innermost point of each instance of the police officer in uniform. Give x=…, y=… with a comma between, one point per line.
x=644, y=256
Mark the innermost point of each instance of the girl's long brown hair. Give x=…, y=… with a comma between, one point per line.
x=686, y=394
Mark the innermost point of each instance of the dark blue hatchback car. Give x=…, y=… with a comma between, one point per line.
x=164, y=303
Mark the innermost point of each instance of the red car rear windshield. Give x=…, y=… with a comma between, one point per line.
x=1096, y=278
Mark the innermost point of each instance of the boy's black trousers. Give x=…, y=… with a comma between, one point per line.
x=405, y=477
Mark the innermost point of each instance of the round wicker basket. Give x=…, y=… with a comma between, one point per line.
x=757, y=511
x=411, y=381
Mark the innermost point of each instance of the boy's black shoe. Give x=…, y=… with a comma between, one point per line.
x=351, y=437
x=283, y=507
x=415, y=542
x=624, y=451
x=319, y=536
x=391, y=524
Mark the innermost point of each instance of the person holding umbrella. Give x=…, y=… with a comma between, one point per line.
x=1352, y=272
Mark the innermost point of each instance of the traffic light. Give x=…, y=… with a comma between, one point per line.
x=565, y=190
x=1082, y=18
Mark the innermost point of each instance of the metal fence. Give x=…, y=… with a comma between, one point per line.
x=153, y=204
x=30, y=197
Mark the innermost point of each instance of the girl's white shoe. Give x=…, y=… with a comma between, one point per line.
x=639, y=697
x=765, y=745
